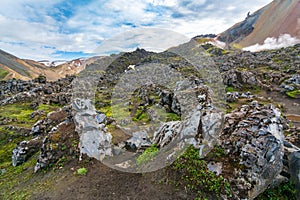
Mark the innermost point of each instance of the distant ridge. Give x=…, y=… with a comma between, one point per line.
x=14, y=67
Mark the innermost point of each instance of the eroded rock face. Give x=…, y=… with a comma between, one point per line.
x=58, y=138
x=291, y=83
x=253, y=141
x=233, y=96
x=24, y=150
x=52, y=137
x=95, y=141
x=38, y=91
x=46, y=156
x=139, y=140
x=237, y=78
x=201, y=129
x=294, y=163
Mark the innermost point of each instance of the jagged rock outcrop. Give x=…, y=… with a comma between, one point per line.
x=292, y=83
x=25, y=150
x=234, y=96
x=275, y=70
x=95, y=141
x=294, y=163
x=253, y=141
x=240, y=30
x=38, y=91
x=52, y=137
x=238, y=78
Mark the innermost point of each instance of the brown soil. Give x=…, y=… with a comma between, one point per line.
x=291, y=106
x=105, y=183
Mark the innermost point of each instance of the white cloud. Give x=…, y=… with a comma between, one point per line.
x=170, y=3
x=26, y=26
x=284, y=40
x=151, y=39
x=231, y=8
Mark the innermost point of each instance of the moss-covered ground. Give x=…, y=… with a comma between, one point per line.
x=13, y=180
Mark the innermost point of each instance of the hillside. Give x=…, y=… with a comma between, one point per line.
x=42, y=129
x=275, y=19
x=13, y=67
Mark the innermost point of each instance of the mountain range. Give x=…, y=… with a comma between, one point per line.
x=278, y=24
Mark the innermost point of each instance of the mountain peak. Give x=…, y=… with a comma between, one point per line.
x=272, y=21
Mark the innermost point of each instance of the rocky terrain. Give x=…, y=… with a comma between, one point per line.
x=244, y=146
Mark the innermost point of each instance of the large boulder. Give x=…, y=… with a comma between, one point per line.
x=95, y=141
x=237, y=78
x=253, y=141
x=294, y=163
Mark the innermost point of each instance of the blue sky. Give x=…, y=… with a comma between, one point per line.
x=59, y=29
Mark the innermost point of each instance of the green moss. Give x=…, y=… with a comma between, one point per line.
x=106, y=110
x=229, y=89
x=216, y=152
x=82, y=171
x=147, y=155
x=6, y=152
x=3, y=73
x=293, y=94
x=195, y=175
x=19, y=112
x=285, y=191
x=141, y=116
x=15, y=177
x=173, y=117
x=188, y=71
x=48, y=107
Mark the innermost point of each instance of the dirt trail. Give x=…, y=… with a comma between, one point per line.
x=291, y=107
x=103, y=183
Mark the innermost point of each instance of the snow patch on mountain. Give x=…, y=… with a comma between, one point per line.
x=52, y=63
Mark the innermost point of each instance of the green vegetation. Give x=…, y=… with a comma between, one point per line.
x=82, y=171
x=3, y=73
x=213, y=51
x=229, y=89
x=48, y=107
x=147, y=155
x=18, y=115
x=14, y=177
x=6, y=152
x=141, y=116
x=173, y=117
x=195, y=175
x=20, y=112
x=284, y=191
x=293, y=94
x=216, y=152
x=106, y=110
x=188, y=71
x=202, y=40
x=237, y=46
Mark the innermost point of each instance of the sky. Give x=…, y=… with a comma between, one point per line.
x=65, y=30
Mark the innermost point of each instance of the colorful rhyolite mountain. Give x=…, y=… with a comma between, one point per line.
x=14, y=67
x=277, y=22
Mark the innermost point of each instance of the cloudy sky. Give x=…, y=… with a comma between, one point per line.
x=66, y=29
